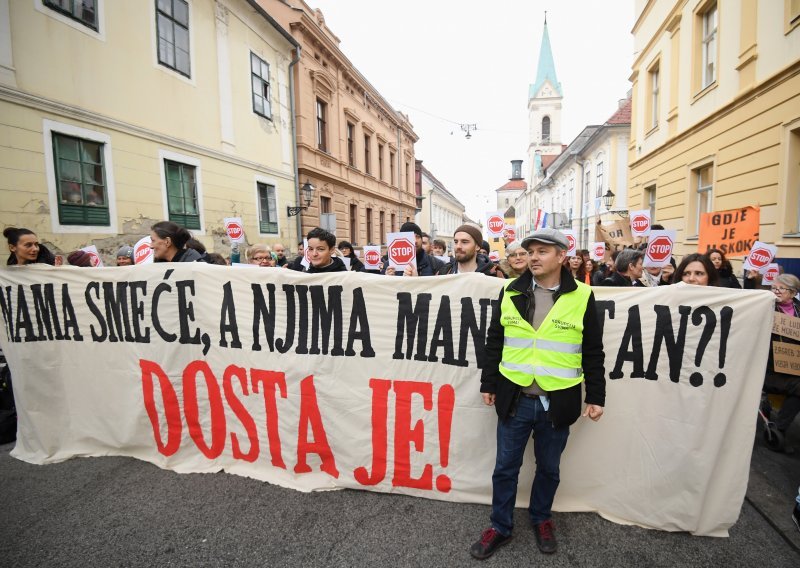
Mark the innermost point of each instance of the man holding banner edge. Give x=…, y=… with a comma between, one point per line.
x=542, y=343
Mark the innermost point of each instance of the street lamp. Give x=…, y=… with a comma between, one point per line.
x=608, y=201
x=308, y=196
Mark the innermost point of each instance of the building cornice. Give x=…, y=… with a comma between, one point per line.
x=759, y=90
x=37, y=102
x=668, y=23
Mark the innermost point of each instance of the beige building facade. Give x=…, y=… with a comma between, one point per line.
x=352, y=146
x=441, y=213
x=716, y=115
x=115, y=115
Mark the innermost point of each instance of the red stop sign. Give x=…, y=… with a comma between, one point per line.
x=600, y=251
x=640, y=223
x=510, y=233
x=234, y=230
x=571, y=241
x=141, y=253
x=93, y=258
x=372, y=257
x=496, y=224
x=660, y=248
x=402, y=251
x=760, y=257
x=769, y=275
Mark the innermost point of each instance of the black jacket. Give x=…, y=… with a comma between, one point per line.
x=618, y=279
x=485, y=266
x=565, y=405
x=727, y=279
x=186, y=255
x=355, y=264
x=336, y=265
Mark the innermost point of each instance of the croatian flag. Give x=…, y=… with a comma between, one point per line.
x=544, y=220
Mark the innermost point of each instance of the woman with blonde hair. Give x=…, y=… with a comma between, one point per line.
x=515, y=263
x=260, y=255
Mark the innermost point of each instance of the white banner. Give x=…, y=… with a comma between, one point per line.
x=357, y=380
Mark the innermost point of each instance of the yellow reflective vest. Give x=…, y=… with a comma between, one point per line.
x=551, y=354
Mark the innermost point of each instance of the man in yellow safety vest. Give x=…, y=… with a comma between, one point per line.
x=543, y=343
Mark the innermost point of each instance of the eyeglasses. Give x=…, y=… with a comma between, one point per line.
x=781, y=290
x=261, y=258
x=518, y=255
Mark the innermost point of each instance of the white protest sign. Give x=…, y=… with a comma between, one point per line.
x=761, y=255
x=372, y=257
x=640, y=222
x=234, y=228
x=494, y=256
x=94, y=256
x=572, y=240
x=598, y=251
x=402, y=250
x=306, y=262
x=510, y=233
x=659, y=248
x=495, y=223
x=346, y=260
x=259, y=391
x=772, y=271
x=143, y=251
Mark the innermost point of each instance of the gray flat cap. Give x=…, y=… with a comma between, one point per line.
x=547, y=236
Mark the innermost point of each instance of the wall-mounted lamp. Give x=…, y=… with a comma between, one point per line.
x=308, y=195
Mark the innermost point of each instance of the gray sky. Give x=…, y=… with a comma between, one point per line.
x=445, y=61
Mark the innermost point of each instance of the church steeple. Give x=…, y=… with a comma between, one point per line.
x=546, y=70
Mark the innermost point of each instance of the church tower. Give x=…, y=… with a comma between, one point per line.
x=544, y=111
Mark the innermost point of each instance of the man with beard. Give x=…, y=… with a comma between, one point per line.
x=466, y=244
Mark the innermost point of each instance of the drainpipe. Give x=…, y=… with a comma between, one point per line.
x=581, y=163
x=399, y=176
x=298, y=218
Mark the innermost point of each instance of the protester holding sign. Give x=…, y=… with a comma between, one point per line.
x=427, y=265
x=466, y=244
x=169, y=241
x=698, y=270
x=628, y=269
x=80, y=258
x=776, y=382
x=321, y=246
x=543, y=340
x=347, y=250
x=724, y=269
x=25, y=247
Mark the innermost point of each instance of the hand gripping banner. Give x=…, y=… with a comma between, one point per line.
x=357, y=380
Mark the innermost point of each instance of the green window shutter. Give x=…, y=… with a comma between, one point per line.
x=268, y=210
x=80, y=181
x=182, y=194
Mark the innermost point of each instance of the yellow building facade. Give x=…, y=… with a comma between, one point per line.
x=116, y=115
x=716, y=115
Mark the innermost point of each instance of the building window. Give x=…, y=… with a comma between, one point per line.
x=351, y=144
x=322, y=127
x=259, y=75
x=83, y=11
x=381, y=226
x=369, y=226
x=172, y=21
x=708, y=47
x=325, y=204
x=80, y=181
x=393, y=223
x=391, y=172
x=654, y=78
x=587, y=182
x=792, y=13
x=182, y=194
x=267, y=208
x=367, y=157
x=380, y=161
x=408, y=178
x=704, y=184
x=599, y=188
x=353, y=224
x=546, y=130
x=650, y=195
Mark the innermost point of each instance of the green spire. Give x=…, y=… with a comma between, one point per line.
x=546, y=71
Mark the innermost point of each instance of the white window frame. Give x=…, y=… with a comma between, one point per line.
x=709, y=44
x=154, y=46
x=189, y=161
x=700, y=190
x=50, y=126
x=274, y=183
x=99, y=35
x=654, y=91
x=599, y=175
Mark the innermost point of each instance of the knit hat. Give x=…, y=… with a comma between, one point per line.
x=472, y=231
x=410, y=227
x=485, y=246
x=80, y=258
x=125, y=250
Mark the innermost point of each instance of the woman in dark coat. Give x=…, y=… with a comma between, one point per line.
x=726, y=277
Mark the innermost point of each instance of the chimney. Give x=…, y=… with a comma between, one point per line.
x=516, y=169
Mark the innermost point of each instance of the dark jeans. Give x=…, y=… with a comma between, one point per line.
x=789, y=385
x=512, y=437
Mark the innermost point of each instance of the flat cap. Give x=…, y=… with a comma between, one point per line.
x=547, y=236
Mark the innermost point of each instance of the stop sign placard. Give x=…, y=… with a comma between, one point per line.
x=510, y=233
x=659, y=248
x=234, y=227
x=769, y=276
x=761, y=254
x=495, y=224
x=599, y=251
x=142, y=251
x=402, y=251
x=372, y=257
x=94, y=256
x=640, y=223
